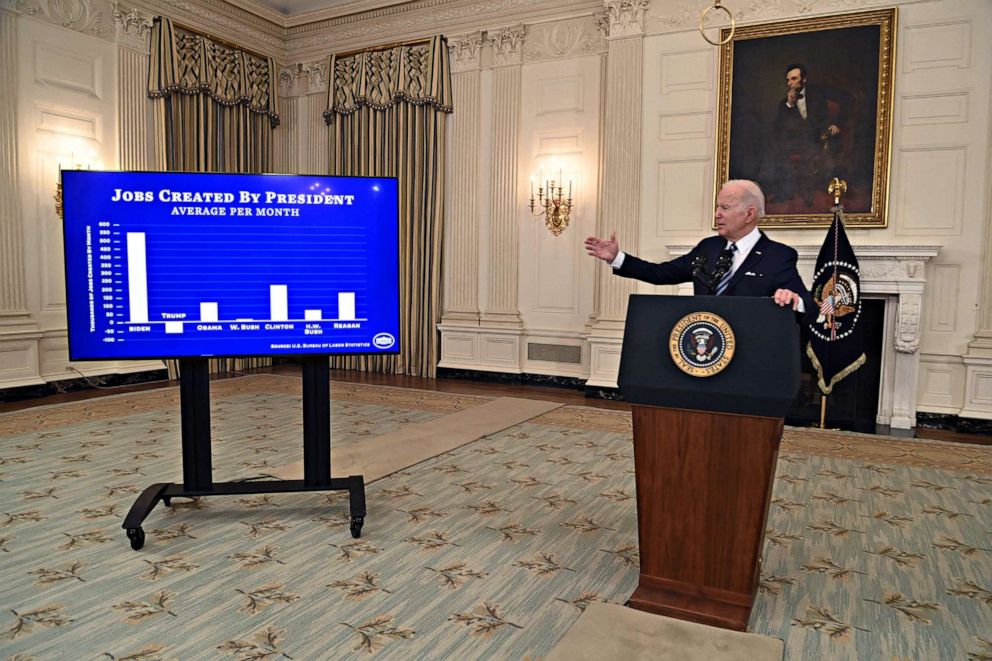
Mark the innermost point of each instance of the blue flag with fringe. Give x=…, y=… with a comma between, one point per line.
x=835, y=345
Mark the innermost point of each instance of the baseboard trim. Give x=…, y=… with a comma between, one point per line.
x=21, y=393
x=953, y=423
x=526, y=379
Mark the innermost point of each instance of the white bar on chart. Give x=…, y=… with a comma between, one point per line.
x=208, y=312
x=279, y=302
x=137, y=278
x=311, y=315
x=346, y=306
x=173, y=327
x=243, y=319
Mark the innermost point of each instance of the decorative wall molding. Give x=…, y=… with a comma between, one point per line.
x=937, y=45
x=93, y=17
x=421, y=18
x=462, y=213
x=68, y=121
x=626, y=17
x=13, y=296
x=466, y=50
x=620, y=201
x=569, y=38
x=502, y=305
x=68, y=69
x=221, y=19
x=132, y=28
x=676, y=16
x=506, y=43
x=303, y=78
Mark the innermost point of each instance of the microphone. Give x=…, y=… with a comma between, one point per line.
x=699, y=269
x=723, y=264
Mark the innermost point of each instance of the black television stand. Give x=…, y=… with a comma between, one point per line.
x=194, y=397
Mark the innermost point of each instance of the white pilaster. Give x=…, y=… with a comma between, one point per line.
x=621, y=182
x=286, y=137
x=461, y=295
x=13, y=297
x=978, y=360
x=501, y=307
x=315, y=151
x=132, y=87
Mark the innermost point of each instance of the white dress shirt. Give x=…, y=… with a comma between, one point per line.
x=800, y=103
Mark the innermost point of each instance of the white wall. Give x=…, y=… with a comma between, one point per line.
x=939, y=179
x=67, y=116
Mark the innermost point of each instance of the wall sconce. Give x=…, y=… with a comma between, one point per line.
x=59, y=210
x=91, y=160
x=58, y=197
x=552, y=204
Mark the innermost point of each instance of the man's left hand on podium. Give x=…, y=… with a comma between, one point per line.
x=785, y=297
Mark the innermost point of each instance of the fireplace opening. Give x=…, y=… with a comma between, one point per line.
x=853, y=403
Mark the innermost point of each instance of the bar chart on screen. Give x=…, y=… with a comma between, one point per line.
x=232, y=279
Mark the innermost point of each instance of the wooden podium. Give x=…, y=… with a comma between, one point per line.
x=705, y=449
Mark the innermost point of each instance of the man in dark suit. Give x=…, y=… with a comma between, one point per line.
x=756, y=265
x=806, y=135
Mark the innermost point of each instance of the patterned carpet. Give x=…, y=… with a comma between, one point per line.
x=876, y=548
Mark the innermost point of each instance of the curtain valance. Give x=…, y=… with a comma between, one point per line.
x=189, y=63
x=418, y=74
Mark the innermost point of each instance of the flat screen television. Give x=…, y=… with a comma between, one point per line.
x=182, y=265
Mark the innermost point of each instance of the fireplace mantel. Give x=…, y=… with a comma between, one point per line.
x=896, y=273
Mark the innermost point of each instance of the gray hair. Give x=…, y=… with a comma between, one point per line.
x=751, y=195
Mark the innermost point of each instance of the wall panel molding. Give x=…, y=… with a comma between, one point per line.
x=937, y=45
x=943, y=297
x=938, y=108
x=685, y=71
x=693, y=125
x=69, y=69
x=682, y=188
x=925, y=204
x=68, y=121
x=561, y=94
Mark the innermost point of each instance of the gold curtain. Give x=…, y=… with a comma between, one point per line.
x=387, y=109
x=218, y=108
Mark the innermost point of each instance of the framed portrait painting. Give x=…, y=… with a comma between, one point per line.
x=802, y=102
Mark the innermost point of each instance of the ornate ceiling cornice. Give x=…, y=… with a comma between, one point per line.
x=316, y=15
x=425, y=17
x=224, y=20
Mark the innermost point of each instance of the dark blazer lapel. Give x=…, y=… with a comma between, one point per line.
x=753, y=259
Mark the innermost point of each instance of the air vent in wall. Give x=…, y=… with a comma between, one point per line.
x=555, y=353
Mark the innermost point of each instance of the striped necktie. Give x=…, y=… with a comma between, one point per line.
x=720, y=288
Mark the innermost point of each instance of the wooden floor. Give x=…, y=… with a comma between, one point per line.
x=458, y=386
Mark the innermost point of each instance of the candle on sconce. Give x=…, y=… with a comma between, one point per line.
x=532, y=187
x=570, y=189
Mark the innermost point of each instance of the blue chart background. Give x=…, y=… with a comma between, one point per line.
x=231, y=260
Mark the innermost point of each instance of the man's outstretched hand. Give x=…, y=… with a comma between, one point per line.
x=606, y=250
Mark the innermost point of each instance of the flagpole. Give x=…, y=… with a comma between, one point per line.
x=838, y=187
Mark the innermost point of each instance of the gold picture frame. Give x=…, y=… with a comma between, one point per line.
x=842, y=67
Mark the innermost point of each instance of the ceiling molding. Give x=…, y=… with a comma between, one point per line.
x=222, y=19
x=315, y=15
x=423, y=18
x=355, y=24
